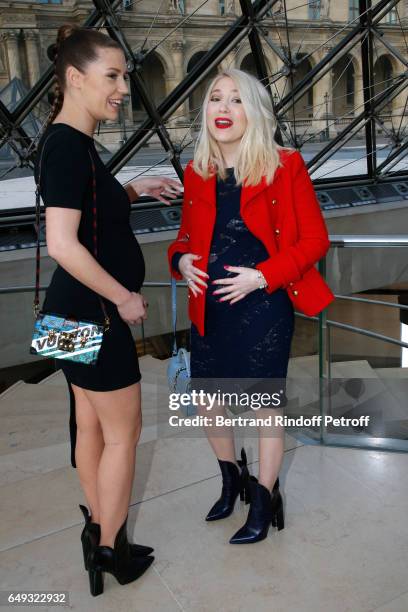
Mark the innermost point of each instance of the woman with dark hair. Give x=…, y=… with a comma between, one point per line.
x=105, y=419
x=250, y=235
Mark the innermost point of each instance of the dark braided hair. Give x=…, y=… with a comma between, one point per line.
x=76, y=47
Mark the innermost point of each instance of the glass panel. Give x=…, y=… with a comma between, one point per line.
x=371, y=392
x=367, y=375
x=313, y=108
x=309, y=118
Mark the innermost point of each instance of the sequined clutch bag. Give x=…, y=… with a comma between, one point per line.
x=61, y=338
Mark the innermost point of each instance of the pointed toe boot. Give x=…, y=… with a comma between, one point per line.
x=265, y=509
x=118, y=561
x=235, y=481
x=91, y=534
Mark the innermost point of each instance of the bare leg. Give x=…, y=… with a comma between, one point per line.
x=88, y=448
x=220, y=438
x=271, y=447
x=120, y=416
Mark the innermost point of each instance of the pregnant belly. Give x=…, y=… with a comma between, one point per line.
x=66, y=295
x=124, y=260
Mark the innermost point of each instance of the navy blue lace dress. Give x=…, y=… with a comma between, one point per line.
x=252, y=337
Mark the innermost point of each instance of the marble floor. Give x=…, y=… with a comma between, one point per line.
x=344, y=547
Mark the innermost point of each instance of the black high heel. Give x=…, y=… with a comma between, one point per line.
x=234, y=482
x=245, y=491
x=266, y=509
x=278, y=518
x=117, y=561
x=91, y=535
x=95, y=581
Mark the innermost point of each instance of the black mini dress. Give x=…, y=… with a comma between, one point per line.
x=66, y=182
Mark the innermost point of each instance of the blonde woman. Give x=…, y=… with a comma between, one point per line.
x=250, y=235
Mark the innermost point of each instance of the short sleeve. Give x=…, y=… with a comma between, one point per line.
x=66, y=171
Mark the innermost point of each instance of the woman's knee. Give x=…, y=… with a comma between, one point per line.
x=124, y=433
x=89, y=430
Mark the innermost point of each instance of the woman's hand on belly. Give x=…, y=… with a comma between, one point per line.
x=191, y=273
x=237, y=287
x=133, y=309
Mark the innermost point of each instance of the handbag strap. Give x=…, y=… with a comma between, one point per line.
x=174, y=312
x=95, y=236
x=37, y=229
x=36, y=304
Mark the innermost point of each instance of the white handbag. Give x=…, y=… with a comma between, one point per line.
x=178, y=370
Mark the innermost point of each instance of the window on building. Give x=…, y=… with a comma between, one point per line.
x=178, y=5
x=278, y=8
x=350, y=85
x=276, y=11
x=391, y=16
x=354, y=11
x=314, y=9
x=222, y=7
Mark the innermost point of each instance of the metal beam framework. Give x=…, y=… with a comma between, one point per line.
x=257, y=24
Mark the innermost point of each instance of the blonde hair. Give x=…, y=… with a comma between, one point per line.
x=258, y=153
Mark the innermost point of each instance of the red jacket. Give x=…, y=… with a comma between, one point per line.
x=285, y=216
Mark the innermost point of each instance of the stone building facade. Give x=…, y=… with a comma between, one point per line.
x=27, y=28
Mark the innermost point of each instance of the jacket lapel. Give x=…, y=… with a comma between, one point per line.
x=206, y=189
x=249, y=192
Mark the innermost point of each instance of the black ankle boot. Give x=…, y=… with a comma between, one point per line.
x=234, y=482
x=91, y=535
x=265, y=509
x=118, y=561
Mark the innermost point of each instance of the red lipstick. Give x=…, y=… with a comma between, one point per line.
x=223, y=122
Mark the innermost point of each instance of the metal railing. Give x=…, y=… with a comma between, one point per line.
x=369, y=240
x=324, y=324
